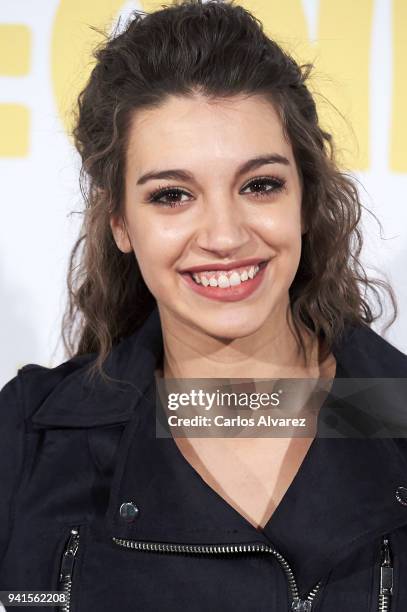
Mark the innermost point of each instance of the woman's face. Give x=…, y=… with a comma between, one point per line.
x=224, y=209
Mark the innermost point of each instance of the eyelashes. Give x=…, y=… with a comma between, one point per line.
x=276, y=186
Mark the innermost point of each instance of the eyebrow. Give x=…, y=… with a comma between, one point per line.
x=183, y=175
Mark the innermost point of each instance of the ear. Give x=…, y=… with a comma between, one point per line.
x=120, y=234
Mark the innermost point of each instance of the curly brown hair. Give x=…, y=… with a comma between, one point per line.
x=218, y=49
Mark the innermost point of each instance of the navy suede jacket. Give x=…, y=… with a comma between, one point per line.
x=95, y=506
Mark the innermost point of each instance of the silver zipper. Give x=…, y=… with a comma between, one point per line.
x=67, y=565
x=298, y=604
x=386, y=576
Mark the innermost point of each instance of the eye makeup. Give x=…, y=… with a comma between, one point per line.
x=275, y=185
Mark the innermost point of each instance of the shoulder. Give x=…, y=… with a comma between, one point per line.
x=20, y=398
x=34, y=382
x=364, y=353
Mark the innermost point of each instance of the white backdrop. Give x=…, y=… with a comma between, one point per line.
x=39, y=168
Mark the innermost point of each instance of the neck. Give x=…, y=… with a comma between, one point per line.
x=271, y=352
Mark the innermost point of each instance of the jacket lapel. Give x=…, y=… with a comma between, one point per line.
x=342, y=498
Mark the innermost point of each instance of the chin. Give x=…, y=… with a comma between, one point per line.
x=230, y=328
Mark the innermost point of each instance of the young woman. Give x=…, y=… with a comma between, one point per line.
x=220, y=240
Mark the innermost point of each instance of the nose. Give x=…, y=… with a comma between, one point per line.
x=223, y=227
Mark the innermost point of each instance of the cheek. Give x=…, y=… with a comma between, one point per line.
x=282, y=229
x=161, y=238
x=157, y=245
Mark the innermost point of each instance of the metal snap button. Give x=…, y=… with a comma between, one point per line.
x=128, y=512
x=401, y=495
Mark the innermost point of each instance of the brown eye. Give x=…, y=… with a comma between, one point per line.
x=173, y=193
x=265, y=186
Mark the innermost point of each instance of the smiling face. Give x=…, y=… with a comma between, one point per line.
x=218, y=208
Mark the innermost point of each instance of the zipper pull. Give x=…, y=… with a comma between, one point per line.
x=386, y=576
x=301, y=605
x=68, y=558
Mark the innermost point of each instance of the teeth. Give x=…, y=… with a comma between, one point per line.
x=234, y=279
x=225, y=279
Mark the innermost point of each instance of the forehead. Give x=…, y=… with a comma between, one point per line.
x=184, y=128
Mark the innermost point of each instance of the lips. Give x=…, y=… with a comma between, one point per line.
x=240, y=291
x=213, y=267
x=212, y=272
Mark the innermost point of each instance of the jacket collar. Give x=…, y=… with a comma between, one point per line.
x=345, y=489
x=77, y=402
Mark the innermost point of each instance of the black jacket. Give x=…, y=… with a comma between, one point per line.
x=94, y=504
